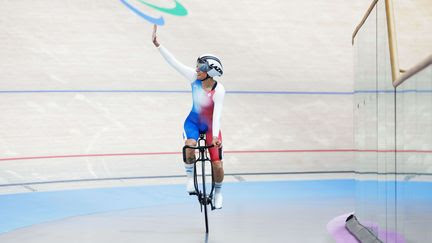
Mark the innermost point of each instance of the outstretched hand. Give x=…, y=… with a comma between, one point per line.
x=154, y=37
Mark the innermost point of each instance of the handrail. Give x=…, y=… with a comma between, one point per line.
x=365, y=16
x=410, y=72
x=394, y=57
x=398, y=75
x=390, y=33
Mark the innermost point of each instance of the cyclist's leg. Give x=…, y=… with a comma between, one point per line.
x=218, y=171
x=190, y=153
x=190, y=135
x=215, y=157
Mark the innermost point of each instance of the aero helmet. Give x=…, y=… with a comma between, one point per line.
x=210, y=64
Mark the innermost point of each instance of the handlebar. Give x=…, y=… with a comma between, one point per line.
x=192, y=147
x=198, y=147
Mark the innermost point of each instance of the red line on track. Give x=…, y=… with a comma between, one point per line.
x=228, y=152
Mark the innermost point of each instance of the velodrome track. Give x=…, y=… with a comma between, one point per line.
x=92, y=120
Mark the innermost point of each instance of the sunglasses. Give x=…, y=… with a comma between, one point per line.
x=202, y=65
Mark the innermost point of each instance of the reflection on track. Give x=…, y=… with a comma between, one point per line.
x=166, y=210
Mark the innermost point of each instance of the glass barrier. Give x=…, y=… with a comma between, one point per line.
x=414, y=157
x=365, y=120
x=385, y=130
x=393, y=140
x=374, y=110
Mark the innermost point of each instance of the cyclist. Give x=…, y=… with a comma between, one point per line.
x=208, y=95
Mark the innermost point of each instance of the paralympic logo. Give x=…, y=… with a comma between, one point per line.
x=178, y=10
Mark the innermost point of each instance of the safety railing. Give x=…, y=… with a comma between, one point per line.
x=365, y=16
x=398, y=75
x=412, y=71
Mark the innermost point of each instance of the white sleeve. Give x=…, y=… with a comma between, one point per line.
x=187, y=72
x=218, y=98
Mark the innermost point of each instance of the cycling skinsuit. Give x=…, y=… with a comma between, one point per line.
x=206, y=109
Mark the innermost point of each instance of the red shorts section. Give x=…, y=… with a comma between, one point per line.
x=215, y=152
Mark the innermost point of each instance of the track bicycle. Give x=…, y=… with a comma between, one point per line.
x=205, y=198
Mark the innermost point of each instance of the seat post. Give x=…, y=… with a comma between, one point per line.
x=202, y=135
x=201, y=140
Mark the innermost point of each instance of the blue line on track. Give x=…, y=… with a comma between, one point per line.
x=228, y=92
x=175, y=91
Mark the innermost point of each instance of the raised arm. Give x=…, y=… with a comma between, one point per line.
x=187, y=72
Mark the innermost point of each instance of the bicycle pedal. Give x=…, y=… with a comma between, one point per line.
x=192, y=193
x=209, y=201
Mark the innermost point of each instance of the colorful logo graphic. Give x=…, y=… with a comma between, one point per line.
x=178, y=10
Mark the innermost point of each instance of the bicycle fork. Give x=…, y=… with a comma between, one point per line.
x=202, y=195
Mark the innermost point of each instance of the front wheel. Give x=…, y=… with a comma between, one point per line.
x=204, y=199
x=206, y=217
